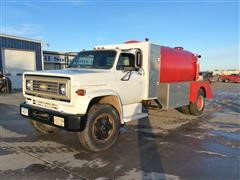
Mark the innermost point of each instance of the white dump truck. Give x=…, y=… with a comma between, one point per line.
x=105, y=87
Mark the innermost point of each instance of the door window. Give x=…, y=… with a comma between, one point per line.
x=126, y=62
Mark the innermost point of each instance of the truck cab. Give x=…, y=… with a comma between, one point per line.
x=230, y=78
x=101, y=90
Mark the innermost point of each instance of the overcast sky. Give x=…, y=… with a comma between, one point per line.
x=205, y=27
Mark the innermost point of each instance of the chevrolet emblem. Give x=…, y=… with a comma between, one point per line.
x=43, y=86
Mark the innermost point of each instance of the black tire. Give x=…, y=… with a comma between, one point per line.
x=7, y=86
x=184, y=109
x=102, y=128
x=43, y=128
x=197, y=107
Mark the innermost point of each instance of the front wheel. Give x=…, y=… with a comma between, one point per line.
x=197, y=107
x=102, y=128
x=43, y=128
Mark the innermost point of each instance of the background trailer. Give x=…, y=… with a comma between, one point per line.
x=18, y=55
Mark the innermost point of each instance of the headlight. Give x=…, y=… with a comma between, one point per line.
x=29, y=84
x=62, y=89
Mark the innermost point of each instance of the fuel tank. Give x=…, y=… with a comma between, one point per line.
x=177, y=65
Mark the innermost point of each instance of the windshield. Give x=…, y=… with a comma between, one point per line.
x=103, y=59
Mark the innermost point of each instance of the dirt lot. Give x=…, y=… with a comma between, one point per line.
x=167, y=145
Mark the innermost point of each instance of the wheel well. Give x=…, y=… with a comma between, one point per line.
x=203, y=90
x=111, y=100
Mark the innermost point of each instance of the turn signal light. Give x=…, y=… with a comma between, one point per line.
x=80, y=92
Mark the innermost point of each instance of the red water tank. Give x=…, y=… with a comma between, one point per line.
x=131, y=41
x=177, y=65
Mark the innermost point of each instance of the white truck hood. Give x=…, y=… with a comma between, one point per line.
x=83, y=77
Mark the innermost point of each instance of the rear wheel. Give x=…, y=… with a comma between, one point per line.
x=197, y=107
x=102, y=128
x=43, y=128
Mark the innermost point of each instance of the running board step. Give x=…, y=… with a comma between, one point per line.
x=135, y=117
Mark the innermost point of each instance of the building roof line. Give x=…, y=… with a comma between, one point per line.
x=20, y=38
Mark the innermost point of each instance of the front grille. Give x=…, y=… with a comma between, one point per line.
x=51, y=87
x=47, y=87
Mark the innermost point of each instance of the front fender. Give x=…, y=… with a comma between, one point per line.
x=90, y=95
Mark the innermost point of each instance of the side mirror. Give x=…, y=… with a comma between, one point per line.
x=127, y=76
x=138, y=59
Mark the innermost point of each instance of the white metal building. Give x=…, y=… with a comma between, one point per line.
x=18, y=55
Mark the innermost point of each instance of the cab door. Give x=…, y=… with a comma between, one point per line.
x=129, y=79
